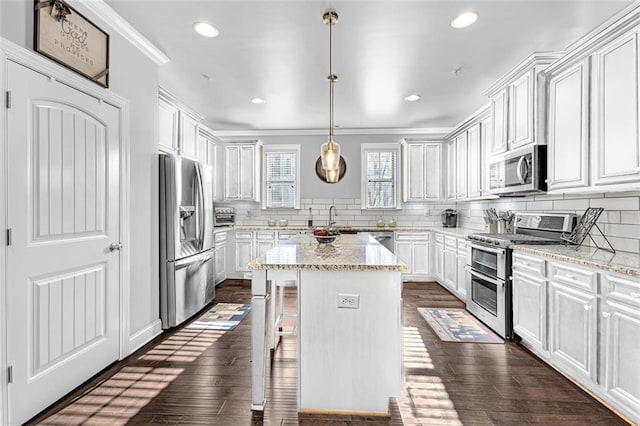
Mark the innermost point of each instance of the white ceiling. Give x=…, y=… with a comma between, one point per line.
x=383, y=51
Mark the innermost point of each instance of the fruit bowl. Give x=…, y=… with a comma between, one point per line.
x=325, y=236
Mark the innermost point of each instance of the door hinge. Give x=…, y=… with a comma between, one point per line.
x=9, y=237
x=10, y=374
x=8, y=99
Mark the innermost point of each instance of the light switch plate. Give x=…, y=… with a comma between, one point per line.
x=350, y=301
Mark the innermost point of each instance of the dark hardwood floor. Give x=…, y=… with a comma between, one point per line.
x=204, y=377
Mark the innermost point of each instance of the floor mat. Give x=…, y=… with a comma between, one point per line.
x=458, y=325
x=223, y=316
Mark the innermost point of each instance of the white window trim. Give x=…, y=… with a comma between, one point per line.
x=280, y=148
x=374, y=147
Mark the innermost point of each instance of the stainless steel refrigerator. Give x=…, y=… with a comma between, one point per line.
x=187, y=266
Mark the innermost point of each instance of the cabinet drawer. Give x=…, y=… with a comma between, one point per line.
x=462, y=246
x=623, y=289
x=264, y=235
x=440, y=238
x=220, y=237
x=403, y=236
x=285, y=236
x=243, y=235
x=575, y=277
x=532, y=265
x=451, y=242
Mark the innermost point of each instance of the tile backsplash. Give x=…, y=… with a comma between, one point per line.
x=620, y=221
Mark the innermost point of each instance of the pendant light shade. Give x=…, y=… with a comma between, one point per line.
x=330, y=150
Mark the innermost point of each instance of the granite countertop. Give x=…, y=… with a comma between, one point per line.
x=620, y=262
x=455, y=232
x=347, y=253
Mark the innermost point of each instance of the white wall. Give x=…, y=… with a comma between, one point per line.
x=135, y=77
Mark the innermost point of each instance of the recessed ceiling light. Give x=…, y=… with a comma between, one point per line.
x=205, y=29
x=412, y=98
x=464, y=19
x=257, y=100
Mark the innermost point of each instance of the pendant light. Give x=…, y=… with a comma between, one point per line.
x=330, y=150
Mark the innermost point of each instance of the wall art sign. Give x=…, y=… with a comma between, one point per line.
x=62, y=34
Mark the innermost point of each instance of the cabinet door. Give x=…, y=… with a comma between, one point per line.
x=499, y=105
x=439, y=262
x=403, y=251
x=450, y=269
x=573, y=333
x=244, y=254
x=420, y=258
x=263, y=247
x=432, y=167
x=621, y=330
x=201, y=149
x=416, y=173
x=461, y=166
x=568, y=149
x=221, y=262
x=474, y=177
x=168, y=126
x=485, y=153
x=188, y=135
x=451, y=170
x=247, y=172
x=520, y=108
x=530, y=309
x=461, y=277
x=211, y=153
x=232, y=173
x=616, y=154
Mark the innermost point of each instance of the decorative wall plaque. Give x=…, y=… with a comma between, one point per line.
x=62, y=34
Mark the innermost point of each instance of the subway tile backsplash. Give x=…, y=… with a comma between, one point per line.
x=620, y=221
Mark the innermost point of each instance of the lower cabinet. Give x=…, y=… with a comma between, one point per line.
x=450, y=269
x=461, y=261
x=414, y=250
x=529, y=295
x=220, y=240
x=244, y=250
x=438, y=263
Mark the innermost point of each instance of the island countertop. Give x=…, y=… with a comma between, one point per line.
x=347, y=253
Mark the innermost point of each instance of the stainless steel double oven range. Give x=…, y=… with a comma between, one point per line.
x=488, y=267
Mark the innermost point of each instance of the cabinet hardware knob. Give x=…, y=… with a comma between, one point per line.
x=587, y=307
x=606, y=314
x=571, y=277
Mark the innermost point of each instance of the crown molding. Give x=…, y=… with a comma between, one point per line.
x=474, y=118
x=125, y=29
x=174, y=100
x=536, y=58
x=436, y=132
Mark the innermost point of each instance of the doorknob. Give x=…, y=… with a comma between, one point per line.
x=115, y=246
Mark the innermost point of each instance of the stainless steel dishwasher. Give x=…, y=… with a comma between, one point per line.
x=383, y=237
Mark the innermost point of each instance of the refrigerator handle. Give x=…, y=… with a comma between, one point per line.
x=201, y=207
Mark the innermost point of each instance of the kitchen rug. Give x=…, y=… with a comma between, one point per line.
x=458, y=325
x=223, y=316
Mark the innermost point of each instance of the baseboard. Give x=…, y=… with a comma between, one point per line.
x=144, y=336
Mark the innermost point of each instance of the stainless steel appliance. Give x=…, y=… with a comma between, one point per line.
x=187, y=267
x=449, y=218
x=519, y=172
x=224, y=216
x=488, y=266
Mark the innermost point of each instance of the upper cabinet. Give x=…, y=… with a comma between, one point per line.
x=593, y=114
x=242, y=171
x=461, y=166
x=421, y=171
x=177, y=126
x=517, y=104
x=474, y=161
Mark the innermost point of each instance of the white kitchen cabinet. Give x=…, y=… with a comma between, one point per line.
x=616, y=143
x=521, y=104
x=461, y=275
x=220, y=240
x=568, y=128
x=461, y=166
x=450, y=263
x=573, y=321
x=621, y=341
x=168, y=119
x=422, y=165
x=244, y=250
x=499, y=114
x=438, y=266
x=474, y=161
x=242, y=172
x=529, y=297
x=414, y=250
x=188, y=135
x=451, y=170
x=264, y=241
x=485, y=152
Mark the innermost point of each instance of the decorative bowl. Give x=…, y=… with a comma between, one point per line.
x=325, y=236
x=325, y=239
x=283, y=222
x=271, y=222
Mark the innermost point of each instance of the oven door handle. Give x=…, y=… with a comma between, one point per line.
x=483, y=276
x=487, y=249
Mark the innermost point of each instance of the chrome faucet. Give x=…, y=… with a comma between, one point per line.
x=331, y=222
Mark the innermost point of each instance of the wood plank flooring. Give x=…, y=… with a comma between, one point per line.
x=204, y=377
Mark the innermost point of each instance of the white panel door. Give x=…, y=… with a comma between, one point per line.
x=416, y=172
x=232, y=173
x=451, y=170
x=167, y=126
x=461, y=168
x=433, y=176
x=521, y=110
x=474, y=159
x=530, y=309
x=188, y=136
x=403, y=252
x=420, y=258
x=63, y=281
x=247, y=172
x=499, y=122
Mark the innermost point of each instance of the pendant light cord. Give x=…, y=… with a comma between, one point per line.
x=331, y=79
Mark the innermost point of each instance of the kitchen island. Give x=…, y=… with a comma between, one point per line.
x=349, y=322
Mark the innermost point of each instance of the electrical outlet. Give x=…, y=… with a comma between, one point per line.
x=351, y=301
x=426, y=211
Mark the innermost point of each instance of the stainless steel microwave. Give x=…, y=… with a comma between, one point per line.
x=520, y=172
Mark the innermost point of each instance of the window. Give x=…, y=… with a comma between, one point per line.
x=281, y=177
x=380, y=176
